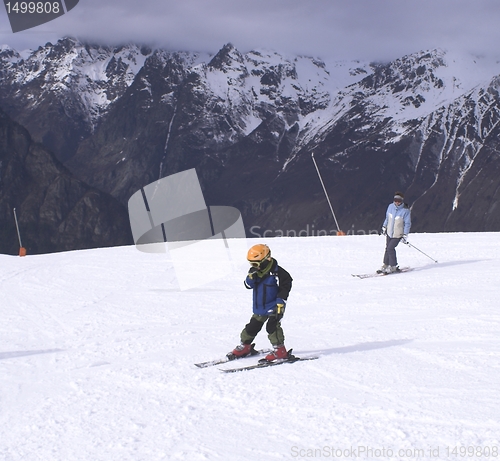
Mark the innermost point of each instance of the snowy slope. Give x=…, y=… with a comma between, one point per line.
x=97, y=350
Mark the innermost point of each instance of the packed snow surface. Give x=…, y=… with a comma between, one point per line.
x=97, y=353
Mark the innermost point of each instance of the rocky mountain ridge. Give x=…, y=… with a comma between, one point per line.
x=55, y=210
x=432, y=131
x=70, y=83
x=120, y=118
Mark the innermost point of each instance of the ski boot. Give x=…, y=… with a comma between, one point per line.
x=383, y=269
x=242, y=350
x=392, y=269
x=279, y=353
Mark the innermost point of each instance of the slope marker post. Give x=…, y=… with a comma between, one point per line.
x=339, y=232
x=22, y=250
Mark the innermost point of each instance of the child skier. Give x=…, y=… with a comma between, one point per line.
x=271, y=285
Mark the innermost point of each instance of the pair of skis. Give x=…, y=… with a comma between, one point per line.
x=382, y=274
x=261, y=364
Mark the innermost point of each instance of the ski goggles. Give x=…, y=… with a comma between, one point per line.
x=257, y=264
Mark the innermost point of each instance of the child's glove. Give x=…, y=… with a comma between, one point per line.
x=279, y=310
x=280, y=306
x=252, y=272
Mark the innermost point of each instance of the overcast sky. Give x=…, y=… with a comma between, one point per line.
x=328, y=29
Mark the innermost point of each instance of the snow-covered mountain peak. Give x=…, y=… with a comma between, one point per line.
x=414, y=73
x=416, y=85
x=95, y=75
x=255, y=85
x=229, y=59
x=495, y=84
x=467, y=70
x=8, y=55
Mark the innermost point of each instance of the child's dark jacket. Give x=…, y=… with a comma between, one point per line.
x=276, y=284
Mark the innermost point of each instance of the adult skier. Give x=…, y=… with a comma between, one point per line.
x=396, y=228
x=271, y=285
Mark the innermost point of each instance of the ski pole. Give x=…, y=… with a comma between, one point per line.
x=339, y=232
x=22, y=250
x=413, y=246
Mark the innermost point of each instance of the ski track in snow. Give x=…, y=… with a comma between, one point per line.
x=97, y=353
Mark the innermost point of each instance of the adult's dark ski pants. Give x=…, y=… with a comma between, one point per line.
x=390, y=257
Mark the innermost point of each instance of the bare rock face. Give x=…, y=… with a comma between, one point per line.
x=56, y=211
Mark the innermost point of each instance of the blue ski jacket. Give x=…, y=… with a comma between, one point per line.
x=277, y=283
x=397, y=220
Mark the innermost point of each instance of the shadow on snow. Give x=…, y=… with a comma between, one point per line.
x=15, y=354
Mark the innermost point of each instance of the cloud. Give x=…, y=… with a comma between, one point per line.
x=329, y=29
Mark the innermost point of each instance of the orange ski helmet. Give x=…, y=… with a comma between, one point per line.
x=258, y=254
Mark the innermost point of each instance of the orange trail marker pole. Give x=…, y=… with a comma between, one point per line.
x=22, y=250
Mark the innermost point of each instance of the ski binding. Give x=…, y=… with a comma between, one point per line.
x=230, y=357
x=264, y=364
